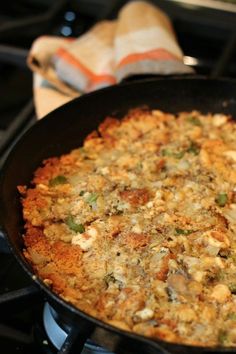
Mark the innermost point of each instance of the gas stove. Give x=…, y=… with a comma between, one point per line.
x=206, y=33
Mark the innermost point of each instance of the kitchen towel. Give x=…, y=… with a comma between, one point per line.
x=140, y=41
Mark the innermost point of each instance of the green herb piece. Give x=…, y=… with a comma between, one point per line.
x=221, y=199
x=232, y=288
x=220, y=275
x=233, y=257
x=183, y=232
x=117, y=211
x=179, y=155
x=193, y=149
x=155, y=244
x=139, y=166
x=109, y=278
x=222, y=337
x=92, y=198
x=176, y=155
x=194, y=121
x=81, y=193
x=166, y=152
x=58, y=180
x=232, y=316
x=70, y=222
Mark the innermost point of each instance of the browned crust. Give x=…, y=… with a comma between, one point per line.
x=128, y=228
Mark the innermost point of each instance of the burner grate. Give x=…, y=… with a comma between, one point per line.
x=62, y=337
x=226, y=57
x=15, y=129
x=13, y=300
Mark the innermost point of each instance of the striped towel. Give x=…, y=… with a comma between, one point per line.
x=140, y=41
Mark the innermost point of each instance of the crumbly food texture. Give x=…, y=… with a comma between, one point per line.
x=138, y=226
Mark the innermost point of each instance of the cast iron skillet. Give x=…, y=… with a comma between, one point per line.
x=66, y=127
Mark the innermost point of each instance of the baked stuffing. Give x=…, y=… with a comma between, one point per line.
x=138, y=227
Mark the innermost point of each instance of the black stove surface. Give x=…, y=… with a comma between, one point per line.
x=19, y=324
x=208, y=40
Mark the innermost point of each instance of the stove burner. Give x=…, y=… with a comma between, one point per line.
x=58, y=335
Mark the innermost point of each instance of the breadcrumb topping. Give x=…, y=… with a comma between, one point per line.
x=138, y=226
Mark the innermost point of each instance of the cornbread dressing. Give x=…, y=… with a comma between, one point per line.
x=138, y=227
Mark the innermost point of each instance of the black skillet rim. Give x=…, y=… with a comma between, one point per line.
x=155, y=343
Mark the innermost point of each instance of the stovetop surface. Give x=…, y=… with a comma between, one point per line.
x=19, y=326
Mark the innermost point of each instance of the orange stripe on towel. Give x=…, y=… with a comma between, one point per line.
x=71, y=60
x=160, y=53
